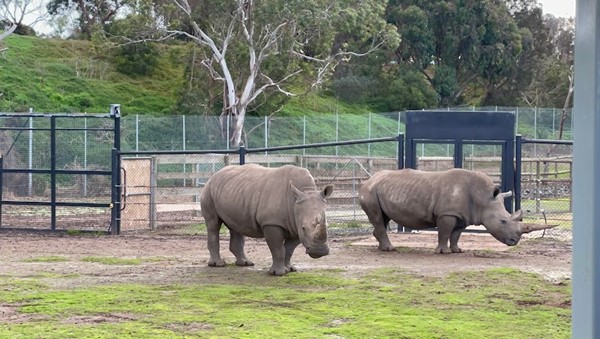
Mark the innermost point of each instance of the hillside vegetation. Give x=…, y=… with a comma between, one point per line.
x=68, y=76
x=53, y=75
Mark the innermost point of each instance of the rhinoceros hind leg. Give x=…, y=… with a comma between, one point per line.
x=213, y=226
x=380, y=224
x=445, y=226
x=236, y=246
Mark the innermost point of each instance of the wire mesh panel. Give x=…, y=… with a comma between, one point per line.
x=56, y=171
x=176, y=181
x=546, y=181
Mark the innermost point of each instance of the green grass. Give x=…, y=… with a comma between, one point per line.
x=53, y=75
x=52, y=258
x=497, y=303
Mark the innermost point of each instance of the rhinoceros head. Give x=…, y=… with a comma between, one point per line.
x=499, y=222
x=504, y=226
x=309, y=215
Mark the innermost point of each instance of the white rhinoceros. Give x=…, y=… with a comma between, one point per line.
x=449, y=200
x=281, y=204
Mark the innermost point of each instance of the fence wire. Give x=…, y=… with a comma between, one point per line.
x=167, y=199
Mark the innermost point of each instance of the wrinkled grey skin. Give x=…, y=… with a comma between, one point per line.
x=450, y=200
x=280, y=204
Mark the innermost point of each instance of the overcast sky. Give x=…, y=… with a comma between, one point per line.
x=564, y=8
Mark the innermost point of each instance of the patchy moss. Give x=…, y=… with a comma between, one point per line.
x=381, y=303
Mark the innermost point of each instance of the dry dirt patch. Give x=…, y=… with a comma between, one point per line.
x=179, y=259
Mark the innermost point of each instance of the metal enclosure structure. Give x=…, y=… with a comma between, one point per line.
x=460, y=128
x=586, y=172
x=52, y=167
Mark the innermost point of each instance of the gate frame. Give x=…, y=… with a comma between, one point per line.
x=241, y=152
x=113, y=114
x=460, y=128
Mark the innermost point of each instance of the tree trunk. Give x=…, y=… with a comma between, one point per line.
x=8, y=32
x=238, y=126
x=564, y=114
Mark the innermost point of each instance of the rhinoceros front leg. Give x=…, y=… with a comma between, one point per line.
x=290, y=245
x=454, y=240
x=236, y=246
x=445, y=226
x=275, y=238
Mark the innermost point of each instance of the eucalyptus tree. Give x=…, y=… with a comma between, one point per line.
x=254, y=47
x=20, y=16
x=92, y=15
x=463, y=48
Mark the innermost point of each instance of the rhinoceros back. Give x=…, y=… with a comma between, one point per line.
x=416, y=198
x=250, y=196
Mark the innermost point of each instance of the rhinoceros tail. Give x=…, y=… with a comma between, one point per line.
x=386, y=219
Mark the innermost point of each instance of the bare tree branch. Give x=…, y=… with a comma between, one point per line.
x=8, y=32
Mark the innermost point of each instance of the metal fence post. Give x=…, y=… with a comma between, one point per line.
x=30, y=175
x=115, y=215
x=53, y=173
x=518, y=170
x=400, y=151
x=1, y=185
x=242, y=152
x=115, y=112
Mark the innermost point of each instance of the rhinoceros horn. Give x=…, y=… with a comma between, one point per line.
x=320, y=232
x=526, y=228
x=506, y=194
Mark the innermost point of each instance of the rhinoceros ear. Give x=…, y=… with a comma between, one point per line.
x=327, y=191
x=298, y=193
x=517, y=216
x=497, y=191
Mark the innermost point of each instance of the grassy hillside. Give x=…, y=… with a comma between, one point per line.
x=54, y=75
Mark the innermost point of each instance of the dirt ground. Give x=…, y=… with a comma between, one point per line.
x=180, y=259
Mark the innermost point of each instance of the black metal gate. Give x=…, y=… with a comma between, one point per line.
x=465, y=128
x=57, y=171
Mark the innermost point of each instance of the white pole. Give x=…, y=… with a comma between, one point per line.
x=266, y=133
x=369, y=129
x=553, y=127
x=137, y=132
x=183, y=130
x=337, y=131
x=517, y=124
x=398, y=133
x=304, y=135
x=535, y=110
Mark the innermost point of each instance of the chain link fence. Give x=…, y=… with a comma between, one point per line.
x=546, y=184
x=172, y=183
x=151, y=133
x=162, y=191
x=56, y=171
